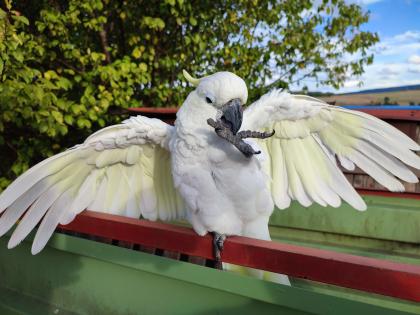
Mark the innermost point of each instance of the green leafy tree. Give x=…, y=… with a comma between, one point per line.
x=65, y=65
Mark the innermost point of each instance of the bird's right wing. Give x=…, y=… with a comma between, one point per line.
x=312, y=138
x=123, y=169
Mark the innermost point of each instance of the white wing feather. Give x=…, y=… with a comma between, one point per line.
x=122, y=169
x=311, y=136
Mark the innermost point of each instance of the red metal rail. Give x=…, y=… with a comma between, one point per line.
x=386, y=193
x=361, y=273
x=393, y=114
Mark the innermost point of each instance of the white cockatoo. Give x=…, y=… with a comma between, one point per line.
x=146, y=168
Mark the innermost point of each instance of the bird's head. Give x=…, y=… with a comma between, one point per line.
x=224, y=91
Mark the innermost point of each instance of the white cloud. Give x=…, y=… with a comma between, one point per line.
x=408, y=36
x=414, y=59
x=351, y=84
x=364, y=2
x=407, y=43
x=397, y=63
x=386, y=75
x=414, y=70
x=392, y=49
x=389, y=70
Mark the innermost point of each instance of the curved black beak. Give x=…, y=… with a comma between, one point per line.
x=232, y=114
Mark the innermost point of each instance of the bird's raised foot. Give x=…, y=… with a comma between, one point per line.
x=255, y=134
x=218, y=242
x=224, y=132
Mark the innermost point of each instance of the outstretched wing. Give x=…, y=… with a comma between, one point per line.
x=122, y=169
x=312, y=138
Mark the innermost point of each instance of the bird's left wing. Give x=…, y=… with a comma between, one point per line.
x=122, y=169
x=312, y=138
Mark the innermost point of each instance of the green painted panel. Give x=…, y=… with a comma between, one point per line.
x=14, y=303
x=370, y=247
x=394, y=219
x=85, y=277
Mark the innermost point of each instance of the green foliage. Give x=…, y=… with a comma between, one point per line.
x=65, y=64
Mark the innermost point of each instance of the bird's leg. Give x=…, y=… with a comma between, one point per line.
x=218, y=241
x=223, y=131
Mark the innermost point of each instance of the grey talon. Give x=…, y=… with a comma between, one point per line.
x=218, y=243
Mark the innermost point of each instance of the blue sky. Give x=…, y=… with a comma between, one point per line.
x=397, y=55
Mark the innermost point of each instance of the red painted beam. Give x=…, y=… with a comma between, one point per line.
x=385, y=193
x=394, y=114
x=356, y=272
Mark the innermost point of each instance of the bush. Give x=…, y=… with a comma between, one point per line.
x=65, y=64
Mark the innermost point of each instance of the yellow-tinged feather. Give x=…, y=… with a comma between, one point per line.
x=132, y=155
x=51, y=219
x=119, y=169
x=315, y=178
x=41, y=205
x=148, y=200
x=382, y=128
x=381, y=175
x=98, y=203
x=316, y=123
x=387, y=161
x=134, y=185
x=117, y=194
x=307, y=171
x=336, y=141
x=295, y=184
x=28, y=179
x=394, y=148
x=279, y=175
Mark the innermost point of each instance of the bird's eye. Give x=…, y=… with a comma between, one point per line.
x=208, y=100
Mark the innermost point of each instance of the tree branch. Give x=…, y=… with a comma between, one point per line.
x=64, y=63
x=6, y=22
x=104, y=43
